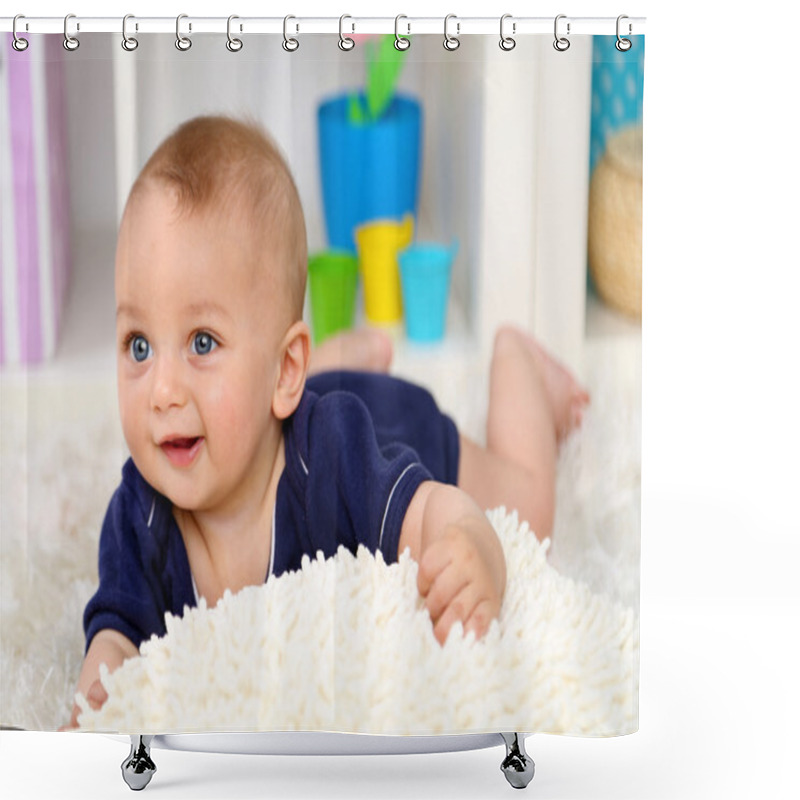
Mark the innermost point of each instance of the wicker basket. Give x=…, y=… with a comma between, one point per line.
x=615, y=222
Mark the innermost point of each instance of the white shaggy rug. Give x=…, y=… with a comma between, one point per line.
x=563, y=656
x=345, y=644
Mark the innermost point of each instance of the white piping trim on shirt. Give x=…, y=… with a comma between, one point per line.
x=152, y=511
x=302, y=463
x=389, y=501
x=272, y=546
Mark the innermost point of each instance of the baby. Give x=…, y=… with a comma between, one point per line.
x=240, y=465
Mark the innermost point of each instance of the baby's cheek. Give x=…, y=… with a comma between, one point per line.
x=229, y=417
x=235, y=410
x=133, y=416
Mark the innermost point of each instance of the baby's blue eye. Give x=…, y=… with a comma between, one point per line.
x=140, y=348
x=203, y=343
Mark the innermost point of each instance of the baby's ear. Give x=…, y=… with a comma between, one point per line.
x=295, y=350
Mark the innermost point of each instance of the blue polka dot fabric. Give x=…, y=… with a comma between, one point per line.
x=617, y=87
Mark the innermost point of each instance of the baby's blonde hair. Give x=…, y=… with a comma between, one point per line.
x=217, y=162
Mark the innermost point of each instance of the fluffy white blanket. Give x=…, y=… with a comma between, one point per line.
x=570, y=620
x=346, y=644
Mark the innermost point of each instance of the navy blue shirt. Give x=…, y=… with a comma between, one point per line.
x=357, y=448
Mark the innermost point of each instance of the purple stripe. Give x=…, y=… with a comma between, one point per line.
x=6, y=43
x=57, y=170
x=2, y=323
x=21, y=115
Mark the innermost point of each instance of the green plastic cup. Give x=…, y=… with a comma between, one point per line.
x=332, y=277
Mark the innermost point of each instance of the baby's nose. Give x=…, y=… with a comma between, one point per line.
x=169, y=386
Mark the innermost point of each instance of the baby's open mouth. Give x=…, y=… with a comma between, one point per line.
x=187, y=443
x=181, y=451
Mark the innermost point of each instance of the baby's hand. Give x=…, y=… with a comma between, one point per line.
x=96, y=696
x=457, y=580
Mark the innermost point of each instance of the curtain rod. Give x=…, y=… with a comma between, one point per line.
x=298, y=25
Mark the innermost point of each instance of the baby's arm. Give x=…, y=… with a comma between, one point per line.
x=108, y=647
x=462, y=570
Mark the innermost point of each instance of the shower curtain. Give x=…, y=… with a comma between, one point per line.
x=464, y=208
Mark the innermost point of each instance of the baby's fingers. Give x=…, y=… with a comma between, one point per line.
x=450, y=581
x=73, y=720
x=434, y=561
x=481, y=618
x=97, y=695
x=460, y=609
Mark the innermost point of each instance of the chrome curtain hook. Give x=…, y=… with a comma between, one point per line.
x=290, y=44
x=129, y=43
x=19, y=44
x=561, y=43
x=507, y=42
x=183, y=43
x=70, y=43
x=233, y=44
x=345, y=42
x=623, y=45
x=401, y=42
x=451, y=42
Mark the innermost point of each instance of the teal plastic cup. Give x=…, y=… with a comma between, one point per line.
x=425, y=281
x=332, y=278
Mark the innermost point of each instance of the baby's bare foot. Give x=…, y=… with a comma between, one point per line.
x=365, y=349
x=567, y=397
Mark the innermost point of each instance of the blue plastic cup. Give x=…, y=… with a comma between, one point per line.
x=369, y=170
x=425, y=280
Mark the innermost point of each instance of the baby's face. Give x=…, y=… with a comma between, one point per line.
x=198, y=353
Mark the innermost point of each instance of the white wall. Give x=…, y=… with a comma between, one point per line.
x=90, y=130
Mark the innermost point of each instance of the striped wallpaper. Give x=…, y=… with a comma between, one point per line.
x=34, y=200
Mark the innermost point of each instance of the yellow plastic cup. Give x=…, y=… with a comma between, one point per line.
x=378, y=243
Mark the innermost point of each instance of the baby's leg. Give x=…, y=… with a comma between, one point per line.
x=365, y=349
x=532, y=403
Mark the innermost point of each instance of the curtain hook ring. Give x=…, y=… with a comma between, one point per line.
x=401, y=42
x=233, y=44
x=451, y=42
x=70, y=43
x=183, y=43
x=345, y=42
x=290, y=44
x=507, y=42
x=561, y=43
x=19, y=43
x=129, y=43
x=622, y=44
